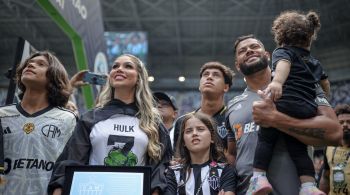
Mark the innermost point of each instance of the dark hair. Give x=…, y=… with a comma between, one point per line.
x=226, y=71
x=342, y=109
x=58, y=86
x=215, y=154
x=244, y=37
x=295, y=28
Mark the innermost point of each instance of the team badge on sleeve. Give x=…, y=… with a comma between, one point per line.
x=28, y=127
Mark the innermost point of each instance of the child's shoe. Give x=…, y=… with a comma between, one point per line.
x=310, y=190
x=259, y=186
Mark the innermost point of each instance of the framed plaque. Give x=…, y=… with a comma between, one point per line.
x=105, y=180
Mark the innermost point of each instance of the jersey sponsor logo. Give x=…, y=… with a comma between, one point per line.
x=27, y=163
x=28, y=127
x=237, y=128
x=7, y=130
x=123, y=128
x=222, y=131
x=51, y=131
x=250, y=127
x=214, y=182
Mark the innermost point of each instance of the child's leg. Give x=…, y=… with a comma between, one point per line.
x=267, y=138
x=298, y=152
x=263, y=154
x=305, y=168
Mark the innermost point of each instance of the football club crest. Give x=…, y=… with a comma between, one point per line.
x=28, y=127
x=222, y=131
x=214, y=182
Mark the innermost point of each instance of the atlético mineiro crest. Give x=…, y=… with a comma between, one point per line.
x=222, y=131
x=214, y=182
x=28, y=127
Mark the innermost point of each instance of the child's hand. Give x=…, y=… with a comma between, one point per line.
x=275, y=90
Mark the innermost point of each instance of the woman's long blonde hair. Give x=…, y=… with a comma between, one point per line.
x=147, y=113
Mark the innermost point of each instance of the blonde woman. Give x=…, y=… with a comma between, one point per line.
x=124, y=130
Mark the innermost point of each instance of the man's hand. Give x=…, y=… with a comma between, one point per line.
x=264, y=110
x=323, y=129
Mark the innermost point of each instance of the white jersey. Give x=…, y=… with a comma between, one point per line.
x=113, y=142
x=32, y=143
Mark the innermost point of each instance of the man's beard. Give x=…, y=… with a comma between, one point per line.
x=261, y=64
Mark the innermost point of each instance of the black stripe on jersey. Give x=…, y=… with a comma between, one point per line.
x=198, y=180
x=26, y=114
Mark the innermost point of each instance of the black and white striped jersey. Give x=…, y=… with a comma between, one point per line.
x=205, y=179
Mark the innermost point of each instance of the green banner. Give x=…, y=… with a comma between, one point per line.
x=84, y=26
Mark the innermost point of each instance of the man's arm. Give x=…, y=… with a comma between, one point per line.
x=231, y=152
x=320, y=130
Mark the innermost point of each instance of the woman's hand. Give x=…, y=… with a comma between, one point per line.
x=77, y=79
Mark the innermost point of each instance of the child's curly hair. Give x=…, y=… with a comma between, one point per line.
x=295, y=28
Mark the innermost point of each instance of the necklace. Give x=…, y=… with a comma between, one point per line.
x=205, y=178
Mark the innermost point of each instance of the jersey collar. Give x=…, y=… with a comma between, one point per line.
x=38, y=113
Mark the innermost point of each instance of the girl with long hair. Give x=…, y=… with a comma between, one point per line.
x=201, y=167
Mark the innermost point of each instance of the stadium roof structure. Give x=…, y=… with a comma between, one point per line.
x=183, y=34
